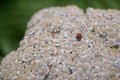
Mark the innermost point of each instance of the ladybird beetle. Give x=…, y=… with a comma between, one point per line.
x=78, y=36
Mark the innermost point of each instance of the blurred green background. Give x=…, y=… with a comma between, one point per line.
x=14, y=14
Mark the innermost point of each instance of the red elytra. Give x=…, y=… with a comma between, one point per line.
x=78, y=36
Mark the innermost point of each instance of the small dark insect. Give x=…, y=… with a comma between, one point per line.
x=78, y=36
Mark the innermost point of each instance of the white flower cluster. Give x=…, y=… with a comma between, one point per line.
x=50, y=51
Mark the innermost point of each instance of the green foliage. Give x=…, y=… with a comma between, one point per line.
x=14, y=14
x=116, y=46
